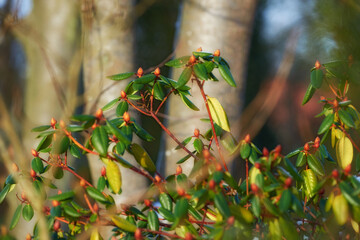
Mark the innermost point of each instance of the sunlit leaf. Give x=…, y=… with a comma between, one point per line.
x=218, y=113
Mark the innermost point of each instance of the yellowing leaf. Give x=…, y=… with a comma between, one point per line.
x=340, y=209
x=310, y=182
x=218, y=114
x=95, y=235
x=253, y=173
x=113, y=175
x=142, y=157
x=344, y=152
x=123, y=224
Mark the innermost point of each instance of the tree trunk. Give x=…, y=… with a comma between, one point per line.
x=108, y=49
x=211, y=24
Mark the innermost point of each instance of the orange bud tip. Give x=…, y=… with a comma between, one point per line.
x=192, y=59
x=178, y=170
x=254, y=188
x=15, y=167
x=317, y=64
x=347, y=169
x=23, y=196
x=94, y=125
x=96, y=207
x=28, y=236
x=34, y=153
x=32, y=173
x=265, y=152
x=218, y=167
x=306, y=147
x=123, y=94
x=199, y=49
x=335, y=173
x=322, y=98
x=335, y=103
x=257, y=165
x=62, y=124
x=247, y=138
x=55, y=203
x=82, y=183
x=53, y=122
x=180, y=191
x=147, y=202
x=230, y=221
x=317, y=140
x=288, y=182
x=217, y=53
x=212, y=184
x=103, y=171
x=157, y=178
x=157, y=72
x=140, y=72
x=196, y=133
x=126, y=117
x=99, y=113
x=56, y=225
x=278, y=149
x=188, y=236
x=59, y=192
x=137, y=234
x=206, y=154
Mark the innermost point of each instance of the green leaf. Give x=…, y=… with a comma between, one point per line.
x=113, y=175
x=226, y=74
x=347, y=191
x=4, y=192
x=121, y=76
x=75, y=151
x=122, y=108
x=255, y=206
x=222, y=205
x=96, y=194
x=245, y=150
x=309, y=93
x=200, y=71
x=37, y=165
x=110, y=104
x=316, y=78
x=198, y=145
x=16, y=217
x=315, y=165
x=285, y=200
x=184, y=143
x=188, y=103
x=142, y=133
x=28, y=212
x=40, y=128
x=153, y=221
x=184, y=77
x=123, y=224
x=119, y=134
x=120, y=148
x=218, y=114
x=183, y=159
x=57, y=172
x=326, y=123
x=142, y=157
x=63, y=196
x=181, y=209
x=122, y=161
x=346, y=118
x=301, y=159
x=165, y=201
x=100, y=140
x=341, y=209
x=134, y=97
x=292, y=170
x=168, y=215
x=101, y=183
x=145, y=79
x=344, y=152
x=71, y=211
x=82, y=118
x=179, y=62
x=270, y=207
x=158, y=91
x=44, y=143
x=201, y=54
x=310, y=182
x=209, y=66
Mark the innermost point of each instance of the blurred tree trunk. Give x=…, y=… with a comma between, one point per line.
x=108, y=49
x=49, y=38
x=211, y=24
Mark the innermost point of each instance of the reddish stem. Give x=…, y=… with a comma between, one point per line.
x=172, y=236
x=212, y=123
x=172, y=136
x=79, y=144
x=89, y=204
x=163, y=101
x=138, y=109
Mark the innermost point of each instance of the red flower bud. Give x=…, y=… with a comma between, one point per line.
x=192, y=59
x=82, y=183
x=206, y=154
x=230, y=221
x=32, y=173
x=99, y=114
x=199, y=49
x=103, y=171
x=178, y=170
x=254, y=188
x=306, y=147
x=217, y=53
x=288, y=182
x=55, y=203
x=28, y=236
x=62, y=124
x=335, y=103
x=212, y=184
x=56, y=225
x=317, y=64
x=196, y=133
x=247, y=138
x=137, y=234
x=188, y=236
x=59, y=192
x=257, y=165
x=126, y=117
x=140, y=72
x=123, y=94
x=147, y=202
x=265, y=152
x=278, y=149
x=180, y=191
x=23, y=196
x=157, y=72
x=322, y=98
x=347, y=169
x=335, y=173
x=157, y=178
x=218, y=167
x=34, y=153
x=53, y=122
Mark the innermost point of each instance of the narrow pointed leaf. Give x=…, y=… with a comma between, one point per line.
x=188, y=103
x=200, y=71
x=226, y=74
x=16, y=217
x=218, y=114
x=347, y=191
x=41, y=128
x=122, y=108
x=63, y=196
x=110, y=104
x=309, y=93
x=113, y=175
x=301, y=159
x=153, y=221
x=346, y=118
x=145, y=79
x=142, y=133
x=285, y=200
x=121, y=76
x=142, y=157
x=184, y=77
x=316, y=78
x=119, y=134
x=96, y=194
x=122, y=161
x=123, y=224
x=4, y=192
x=222, y=205
x=179, y=62
x=310, y=182
x=326, y=123
x=315, y=165
x=165, y=201
x=100, y=140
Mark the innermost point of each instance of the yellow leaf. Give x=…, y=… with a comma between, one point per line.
x=355, y=226
x=329, y=202
x=113, y=175
x=123, y=224
x=142, y=157
x=95, y=235
x=253, y=173
x=310, y=182
x=218, y=113
x=340, y=209
x=344, y=152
